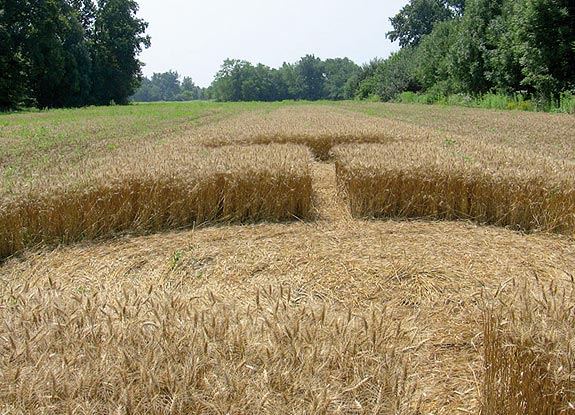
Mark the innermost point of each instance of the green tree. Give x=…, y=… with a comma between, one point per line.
x=309, y=78
x=418, y=17
x=456, y=6
x=500, y=51
x=546, y=53
x=470, y=52
x=291, y=79
x=433, y=63
x=363, y=83
x=312, y=76
x=119, y=36
x=396, y=74
x=85, y=11
x=478, y=46
x=189, y=91
x=57, y=54
x=44, y=57
x=62, y=53
x=147, y=92
x=13, y=63
x=227, y=84
x=257, y=83
x=168, y=85
x=337, y=74
x=281, y=87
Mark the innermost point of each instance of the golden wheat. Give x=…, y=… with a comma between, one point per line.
x=154, y=192
x=546, y=134
x=129, y=325
x=159, y=352
x=475, y=181
x=319, y=128
x=529, y=352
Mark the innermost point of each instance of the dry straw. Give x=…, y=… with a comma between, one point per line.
x=158, y=352
x=317, y=127
x=153, y=191
x=129, y=328
x=475, y=181
x=529, y=352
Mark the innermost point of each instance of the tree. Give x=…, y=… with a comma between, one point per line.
x=292, y=81
x=13, y=63
x=85, y=11
x=418, y=17
x=457, y=6
x=58, y=55
x=167, y=84
x=310, y=70
x=433, y=64
x=147, y=92
x=546, y=53
x=310, y=78
x=363, y=83
x=189, y=91
x=118, y=39
x=470, y=53
x=396, y=75
x=64, y=53
x=281, y=87
x=45, y=57
x=260, y=83
x=227, y=84
x=337, y=73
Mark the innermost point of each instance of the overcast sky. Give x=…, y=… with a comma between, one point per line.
x=194, y=37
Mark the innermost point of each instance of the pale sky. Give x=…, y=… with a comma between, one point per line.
x=194, y=37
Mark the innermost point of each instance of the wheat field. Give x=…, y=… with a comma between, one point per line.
x=151, y=191
x=289, y=259
x=479, y=182
x=529, y=340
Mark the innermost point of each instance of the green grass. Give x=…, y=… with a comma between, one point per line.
x=486, y=101
x=564, y=104
x=33, y=141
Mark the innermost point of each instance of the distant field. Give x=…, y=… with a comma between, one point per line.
x=33, y=141
x=287, y=258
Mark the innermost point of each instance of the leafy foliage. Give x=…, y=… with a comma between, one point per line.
x=119, y=39
x=64, y=53
x=310, y=79
x=418, y=18
x=339, y=75
x=479, y=47
x=168, y=87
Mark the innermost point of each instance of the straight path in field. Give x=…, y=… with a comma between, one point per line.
x=329, y=205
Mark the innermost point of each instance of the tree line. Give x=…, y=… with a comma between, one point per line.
x=69, y=53
x=447, y=48
x=476, y=47
x=167, y=86
x=310, y=78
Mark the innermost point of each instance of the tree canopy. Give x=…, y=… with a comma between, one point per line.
x=64, y=53
x=310, y=78
x=480, y=46
x=168, y=87
x=418, y=19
